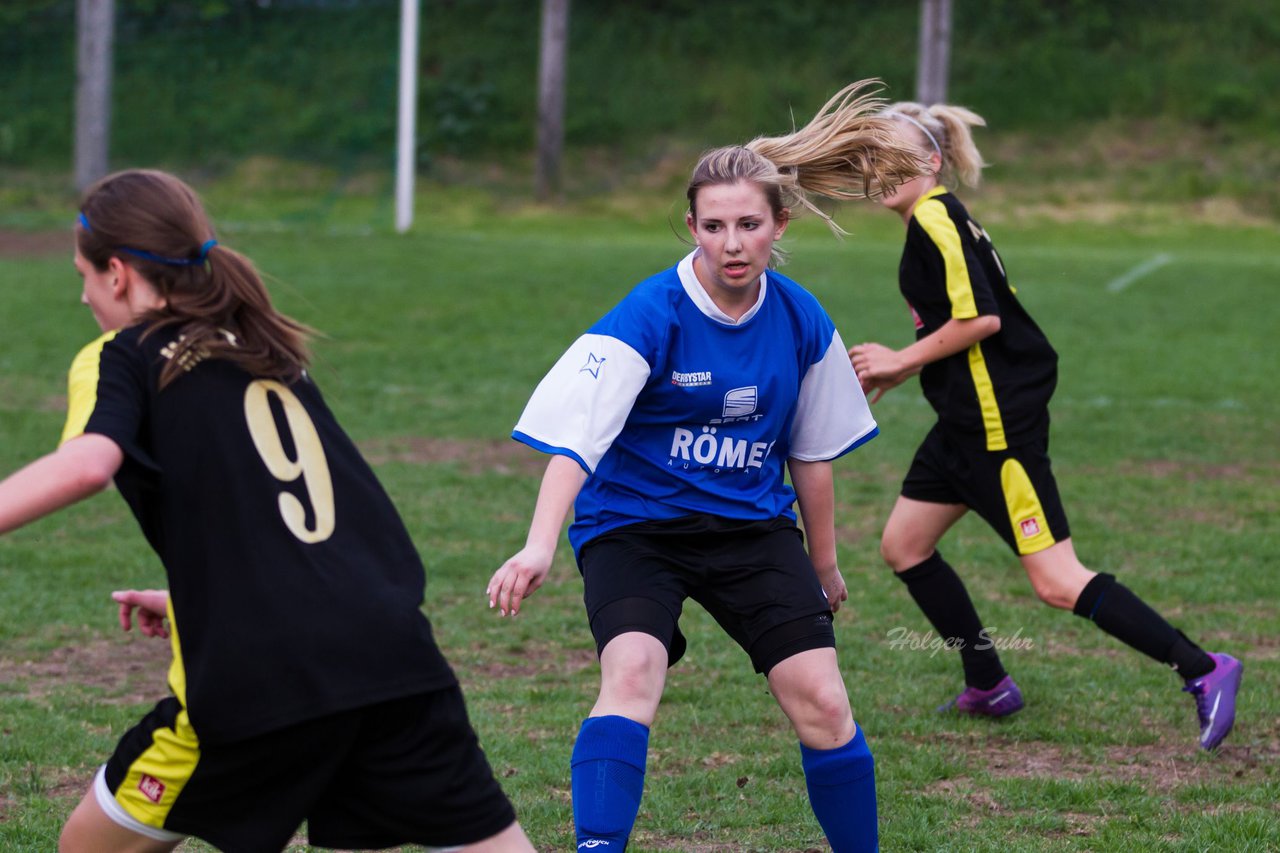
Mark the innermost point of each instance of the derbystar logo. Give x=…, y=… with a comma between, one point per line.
x=151, y=788
x=692, y=379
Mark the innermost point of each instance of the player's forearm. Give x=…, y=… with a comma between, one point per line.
x=952, y=337
x=560, y=486
x=815, y=494
x=80, y=468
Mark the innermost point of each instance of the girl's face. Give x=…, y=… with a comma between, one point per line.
x=902, y=198
x=736, y=229
x=103, y=295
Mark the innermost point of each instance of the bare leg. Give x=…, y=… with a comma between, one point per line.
x=913, y=530
x=510, y=840
x=90, y=830
x=1057, y=574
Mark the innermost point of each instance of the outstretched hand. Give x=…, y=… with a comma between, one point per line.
x=517, y=579
x=879, y=368
x=152, y=606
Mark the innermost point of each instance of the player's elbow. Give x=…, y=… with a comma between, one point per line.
x=90, y=463
x=988, y=324
x=93, y=478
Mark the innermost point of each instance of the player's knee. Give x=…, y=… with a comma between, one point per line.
x=1055, y=593
x=823, y=712
x=634, y=671
x=899, y=554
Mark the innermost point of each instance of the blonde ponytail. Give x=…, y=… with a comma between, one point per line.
x=950, y=129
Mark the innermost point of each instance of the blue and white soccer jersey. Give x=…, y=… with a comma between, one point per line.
x=674, y=408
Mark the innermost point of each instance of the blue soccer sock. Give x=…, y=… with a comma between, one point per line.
x=842, y=793
x=607, y=780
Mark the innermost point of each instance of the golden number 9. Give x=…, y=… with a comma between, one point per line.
x=310, y=465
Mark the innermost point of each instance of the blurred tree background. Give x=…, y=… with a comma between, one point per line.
x=1069, y=87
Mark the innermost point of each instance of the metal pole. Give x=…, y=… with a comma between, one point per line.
x=935, y=51
x=407, y=130
x=551, y=82
x=95, y=29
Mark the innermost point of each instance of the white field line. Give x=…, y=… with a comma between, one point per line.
x=1147, y=267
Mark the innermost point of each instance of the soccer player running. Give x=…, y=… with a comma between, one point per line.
x=988, y=371
x=669, y=424
x=307, y=684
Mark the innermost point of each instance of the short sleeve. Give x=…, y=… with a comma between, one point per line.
x=107, y=395
x=583, y=402
x=967, y=286
x=832, y=415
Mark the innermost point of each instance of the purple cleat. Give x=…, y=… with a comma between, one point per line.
x=1215, y=694
x=1000, y=701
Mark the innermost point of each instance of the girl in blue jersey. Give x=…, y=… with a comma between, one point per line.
x=290, y=573
x=988, y=371
x=669, y=424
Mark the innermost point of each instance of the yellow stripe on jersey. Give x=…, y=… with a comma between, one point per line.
x=992, y=422
x=1030, y=529
x=156, y=777
x=177, y=671
x=936, y=222
x=82, y=387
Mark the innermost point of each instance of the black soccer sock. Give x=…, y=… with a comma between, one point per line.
x=1115, y=609
x=941, y=596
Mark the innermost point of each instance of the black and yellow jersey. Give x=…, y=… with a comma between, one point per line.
x=998, y=390
x=295, y=591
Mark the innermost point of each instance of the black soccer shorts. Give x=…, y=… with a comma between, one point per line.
x=1014, y=490
x=406, y=771
x=753, y=577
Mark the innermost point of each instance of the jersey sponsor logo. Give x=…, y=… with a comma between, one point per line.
x=593, y=365
x=151, y=788
x=1030, y=527
x=739, y=403
x=721, y=452
x=691, y=379
x=593, y=843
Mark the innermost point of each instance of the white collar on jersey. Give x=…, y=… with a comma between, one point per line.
x=703, y=300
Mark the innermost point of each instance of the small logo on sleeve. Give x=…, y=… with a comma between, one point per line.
x=151, y=788
x=593, y=365
x=1030, y=527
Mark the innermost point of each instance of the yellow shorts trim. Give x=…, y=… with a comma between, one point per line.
x=1026, y=515
x=156, y=778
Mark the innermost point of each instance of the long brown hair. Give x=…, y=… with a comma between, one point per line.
x=155, y=223
x=846, y=151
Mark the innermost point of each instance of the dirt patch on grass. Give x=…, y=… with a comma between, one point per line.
x=16, y=245
x=120, y=673
x=475, y=456
x=1188, y=471
x=1156, y=767
x=528, y=663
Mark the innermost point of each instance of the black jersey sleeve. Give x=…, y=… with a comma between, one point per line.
x=107, y=395
x=967, y=288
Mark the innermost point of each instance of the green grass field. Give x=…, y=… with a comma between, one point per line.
x=1166, y=446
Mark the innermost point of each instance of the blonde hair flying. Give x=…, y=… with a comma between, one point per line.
x=848, y=150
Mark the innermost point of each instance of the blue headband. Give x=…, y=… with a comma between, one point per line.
x=160, y=259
